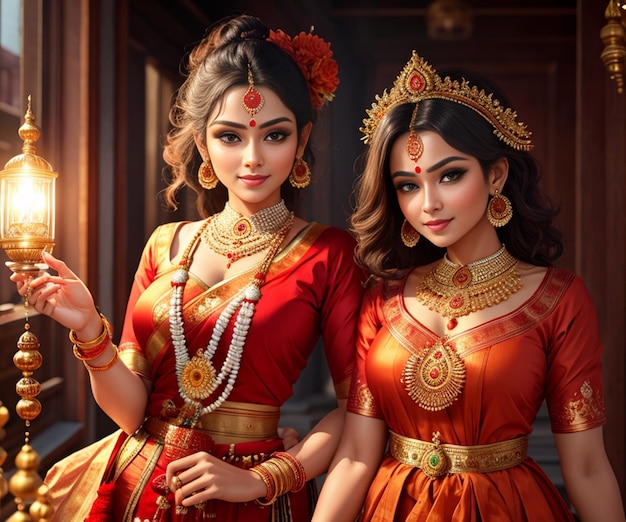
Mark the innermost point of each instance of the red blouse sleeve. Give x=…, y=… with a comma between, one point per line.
x=574, y=392
x=370, y=322
x=340, y=309
x=155, y=252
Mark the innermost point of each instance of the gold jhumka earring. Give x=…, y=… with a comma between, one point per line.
x=252, y=99
x=414, y=145
x=499, y=210
x=300, y=176
x=408, y=234
x=206, y=175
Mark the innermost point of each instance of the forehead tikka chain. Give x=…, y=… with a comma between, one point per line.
x=196, y=376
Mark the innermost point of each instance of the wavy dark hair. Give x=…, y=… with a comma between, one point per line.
x=530, y=235
x=216, y=64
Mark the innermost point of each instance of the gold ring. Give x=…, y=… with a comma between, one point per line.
x=177, y=483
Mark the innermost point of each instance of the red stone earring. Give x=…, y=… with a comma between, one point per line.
x=415, y=145
x=252, y=99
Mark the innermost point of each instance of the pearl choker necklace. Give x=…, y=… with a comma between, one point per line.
x=233, y=235
x=197, y=377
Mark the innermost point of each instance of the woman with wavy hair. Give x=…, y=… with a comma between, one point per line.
x=224, y=311
x=467, y=326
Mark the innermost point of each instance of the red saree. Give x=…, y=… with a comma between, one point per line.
x=549, y=348
x=313, y=289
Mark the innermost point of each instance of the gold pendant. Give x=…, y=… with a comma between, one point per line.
x=434, y=378
x=197, y=377
x=435, y=462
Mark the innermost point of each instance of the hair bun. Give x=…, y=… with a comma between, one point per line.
x=226, y=31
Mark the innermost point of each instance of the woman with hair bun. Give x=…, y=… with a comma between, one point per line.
x=224, y=311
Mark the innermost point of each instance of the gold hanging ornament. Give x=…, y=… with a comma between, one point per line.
x=27, y=201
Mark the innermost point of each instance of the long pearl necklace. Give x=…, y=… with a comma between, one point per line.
x=197, y=377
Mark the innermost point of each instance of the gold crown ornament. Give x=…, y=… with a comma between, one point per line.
x=419, y=81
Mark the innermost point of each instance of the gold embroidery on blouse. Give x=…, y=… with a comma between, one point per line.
x=203, y=308
x=364, y=400
x=587, y=405
x=131, y=356
x=161, y=309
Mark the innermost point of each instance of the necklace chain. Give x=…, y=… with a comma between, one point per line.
x=435, y=377
x=456, y=290
x=197, y=378
x=233, y=235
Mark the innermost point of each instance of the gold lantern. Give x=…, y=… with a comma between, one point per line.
x=27, y=201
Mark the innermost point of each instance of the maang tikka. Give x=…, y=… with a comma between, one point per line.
x=414, y=145
x=252, y=99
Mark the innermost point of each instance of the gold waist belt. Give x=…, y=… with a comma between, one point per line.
x=436, y=459
x=240, y=422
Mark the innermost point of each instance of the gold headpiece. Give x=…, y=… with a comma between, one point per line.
x=419, y=81
x=253, y=100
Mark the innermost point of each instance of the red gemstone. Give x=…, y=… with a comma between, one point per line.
x=456, y=302
x=252, y=123
x=252, y=100
x=462, y=277
x=416, y=82
x=418, y=169
x=434, y=373
x=499, y=205
x=452, y=323
x=438, y=355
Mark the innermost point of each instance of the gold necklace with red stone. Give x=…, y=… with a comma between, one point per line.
x=454, y=290
x=434, y=377
x=234, y=235
x=197, y=377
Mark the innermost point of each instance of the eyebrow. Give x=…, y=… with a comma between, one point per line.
x=434, y=167
x=242, y=126
x=444, y=162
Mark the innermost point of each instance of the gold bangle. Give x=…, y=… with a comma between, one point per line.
x=106, y=366
x=94, y=352
x=270, y=483
x=88, y=345
x=295, y=467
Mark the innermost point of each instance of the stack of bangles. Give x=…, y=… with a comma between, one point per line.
x=281, y=474
x=86, y=351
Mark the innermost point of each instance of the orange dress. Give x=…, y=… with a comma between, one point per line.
x=549, y=348
x=312, y=291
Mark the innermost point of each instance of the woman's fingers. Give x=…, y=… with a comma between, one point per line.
x=59, y=266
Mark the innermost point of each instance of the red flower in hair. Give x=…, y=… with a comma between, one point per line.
x=314, y=57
